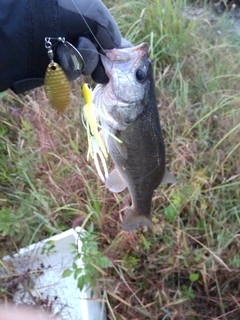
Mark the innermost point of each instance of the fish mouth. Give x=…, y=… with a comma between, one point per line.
x=125, y=54
x=128, y=56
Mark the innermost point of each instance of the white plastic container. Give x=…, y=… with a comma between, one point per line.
x=39, y=270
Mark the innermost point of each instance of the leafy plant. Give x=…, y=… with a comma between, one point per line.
x=89, y=263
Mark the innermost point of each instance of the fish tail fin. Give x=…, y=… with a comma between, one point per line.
x=133, y=220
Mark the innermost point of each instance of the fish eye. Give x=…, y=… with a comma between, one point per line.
x=141, y=74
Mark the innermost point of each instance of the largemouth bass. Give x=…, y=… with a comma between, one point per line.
x=128, y=110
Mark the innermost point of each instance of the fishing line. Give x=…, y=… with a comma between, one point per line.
x=96, y=40
x=100, y=54
x=92, y=33
x=85, y=21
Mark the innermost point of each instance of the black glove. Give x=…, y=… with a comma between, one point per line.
x=86, y=24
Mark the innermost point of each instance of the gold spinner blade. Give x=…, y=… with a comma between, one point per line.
x=57, y=86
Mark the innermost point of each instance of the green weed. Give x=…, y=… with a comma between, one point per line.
x=91, y=268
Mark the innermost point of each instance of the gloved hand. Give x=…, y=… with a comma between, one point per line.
x=86, y=24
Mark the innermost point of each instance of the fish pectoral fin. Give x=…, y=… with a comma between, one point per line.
x=168, y=177
x=115, y=182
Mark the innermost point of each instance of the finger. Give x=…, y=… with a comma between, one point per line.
x=99, y=75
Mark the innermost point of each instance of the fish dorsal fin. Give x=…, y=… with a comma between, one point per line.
x=168, y=177
x=115, y=182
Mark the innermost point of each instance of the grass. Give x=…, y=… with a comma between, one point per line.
x=190, y=267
